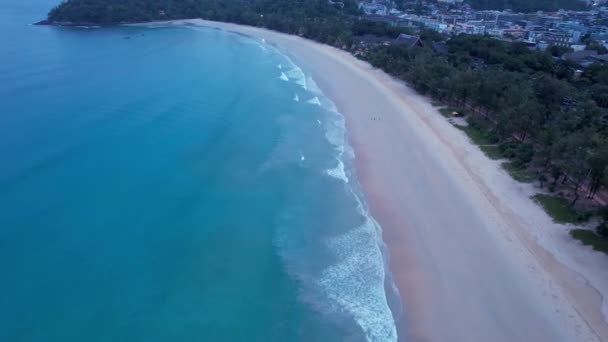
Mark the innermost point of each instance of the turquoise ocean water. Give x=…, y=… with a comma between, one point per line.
x=176, y=184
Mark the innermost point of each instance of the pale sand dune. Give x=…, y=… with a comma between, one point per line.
x=473, y=257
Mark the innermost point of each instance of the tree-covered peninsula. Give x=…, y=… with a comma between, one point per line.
x=314, y=19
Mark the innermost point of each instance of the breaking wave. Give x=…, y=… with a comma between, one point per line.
x=315, y=101
x=338, y=172
x=356, y=283
x=353, y=283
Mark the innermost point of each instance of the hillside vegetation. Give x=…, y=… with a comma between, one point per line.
x=313, y=19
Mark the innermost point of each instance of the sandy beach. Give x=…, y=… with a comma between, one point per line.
x=472, y=256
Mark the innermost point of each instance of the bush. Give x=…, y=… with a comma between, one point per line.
x=559, y=209
x=520, y=174
x=542, y=179
x=583, y=216
x=508, y=149
x=493, y=137
x=474, y=123
x=603, y=212
x=602, y=229
x=590, y=238
x=523, y=154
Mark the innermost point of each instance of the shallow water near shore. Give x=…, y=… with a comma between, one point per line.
x=176, y=183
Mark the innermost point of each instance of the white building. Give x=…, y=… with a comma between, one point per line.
x=370, y=8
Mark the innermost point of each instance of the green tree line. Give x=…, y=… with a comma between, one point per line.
x=533, y=106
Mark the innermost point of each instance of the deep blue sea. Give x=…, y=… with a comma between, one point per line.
x=175, y=184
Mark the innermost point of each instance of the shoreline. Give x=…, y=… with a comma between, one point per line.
x=412, y=158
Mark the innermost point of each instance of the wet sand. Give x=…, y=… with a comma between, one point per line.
x=464, y=241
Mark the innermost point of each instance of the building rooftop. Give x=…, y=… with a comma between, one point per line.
x=600, y=58
x=578, y=56
x=407, y=40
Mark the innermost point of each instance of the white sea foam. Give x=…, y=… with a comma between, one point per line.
x=284, y=77
x=338, y=172
x=356, y=283
x=312, y=86
x=335, y=133
x=297, y=74
x=296, y=98
x=315, y=101
x=280, y=66
x=261, y=45
x=329, y=105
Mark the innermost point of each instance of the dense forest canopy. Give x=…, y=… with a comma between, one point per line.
x=528, y=5
x=115, y=11
x=247, y=11
x=314, y=19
